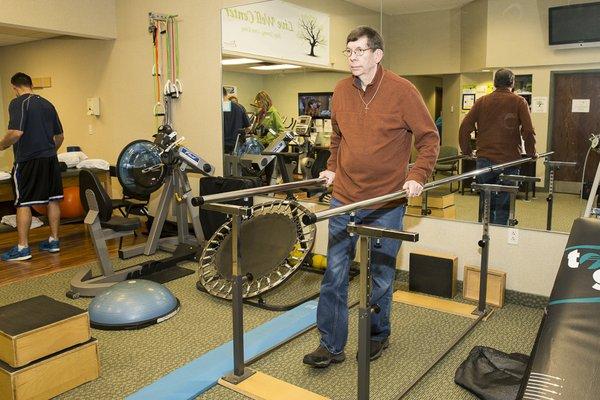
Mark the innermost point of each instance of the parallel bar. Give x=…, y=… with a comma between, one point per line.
x=238, y=306
x=484, y=243
x=376, y=232
x=364, y=320
x=550, y=198
x=320, y=216
x=229, y=209
x=589, y=207
x=239, y=194
x=495, y=188
x=520, y=178
x=560, y=163
x=365, y=307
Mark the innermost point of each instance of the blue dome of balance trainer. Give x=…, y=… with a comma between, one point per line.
x=132, y=304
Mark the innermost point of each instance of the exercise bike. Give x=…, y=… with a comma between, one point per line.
x=143, y=167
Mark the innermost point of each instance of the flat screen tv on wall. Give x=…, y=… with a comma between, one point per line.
x=317, y=105
x=575, y=25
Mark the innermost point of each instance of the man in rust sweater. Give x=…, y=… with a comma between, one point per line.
x=499, y=120
x=375, y=116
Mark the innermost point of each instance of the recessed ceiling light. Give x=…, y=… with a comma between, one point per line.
x=276, y=66
x=486, y=70
x=239, y=61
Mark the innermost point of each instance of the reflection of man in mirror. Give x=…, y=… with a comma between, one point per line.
x=375, y=116
x=235, y=121
x=499, y=119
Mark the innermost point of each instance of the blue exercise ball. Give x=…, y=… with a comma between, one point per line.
x=132, y=304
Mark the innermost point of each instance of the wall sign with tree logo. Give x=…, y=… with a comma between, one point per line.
x=277, y=29
x=311, y=32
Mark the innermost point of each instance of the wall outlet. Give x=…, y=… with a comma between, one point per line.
x=513, y=236
x=90, y=129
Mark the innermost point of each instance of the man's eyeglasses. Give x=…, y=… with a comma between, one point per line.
x=359, y=52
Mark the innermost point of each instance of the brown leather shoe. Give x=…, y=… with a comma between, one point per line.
x=322, y=358
x=376, y=348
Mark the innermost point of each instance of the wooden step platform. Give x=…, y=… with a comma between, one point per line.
x=37, y=327
x=496, y=285
x=435, y=199
x=440, y=204
x=435, y=303
x=52, y=375
x=264, y=387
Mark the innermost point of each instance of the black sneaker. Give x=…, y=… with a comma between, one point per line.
x=321, y=358
x=377, y=348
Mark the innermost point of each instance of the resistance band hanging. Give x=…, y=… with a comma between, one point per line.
x=173, y=87
x=165, y=27
x=156, y=31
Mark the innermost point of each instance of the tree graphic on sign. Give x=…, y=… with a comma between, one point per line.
x=311, y=31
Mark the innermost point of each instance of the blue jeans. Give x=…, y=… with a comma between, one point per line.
x=332, y=312
x=500, y=201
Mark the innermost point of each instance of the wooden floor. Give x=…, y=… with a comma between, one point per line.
x=75, y=249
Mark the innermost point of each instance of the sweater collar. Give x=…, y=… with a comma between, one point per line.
x=378, y=74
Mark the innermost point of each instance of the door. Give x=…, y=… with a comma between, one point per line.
x=572, y=126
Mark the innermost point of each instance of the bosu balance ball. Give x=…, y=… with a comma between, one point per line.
x=132, y=304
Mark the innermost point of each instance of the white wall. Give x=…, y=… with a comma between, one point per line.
x=424, y=43
x=451, y=110
x=247, y=84
x=85, y=71
x=85, y=18
x=426, y=86
x=518, y=35
x=284, y=88
x=473, y=35
x=530, y=266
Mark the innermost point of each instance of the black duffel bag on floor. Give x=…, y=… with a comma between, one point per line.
x=491, y=374
x=212, y=220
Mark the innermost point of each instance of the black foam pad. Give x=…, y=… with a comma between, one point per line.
x=566, y=357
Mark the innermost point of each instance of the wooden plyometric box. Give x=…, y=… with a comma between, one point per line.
x=435, y=199
x=52, y=375
x=37, y=327
x=496, y=285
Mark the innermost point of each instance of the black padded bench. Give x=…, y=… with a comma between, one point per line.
x=565, y=362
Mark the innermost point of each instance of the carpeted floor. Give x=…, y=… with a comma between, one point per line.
x=418, y=335
x=133, y=359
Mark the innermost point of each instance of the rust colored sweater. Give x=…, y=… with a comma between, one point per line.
x=370, y=148
x=499, y=119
